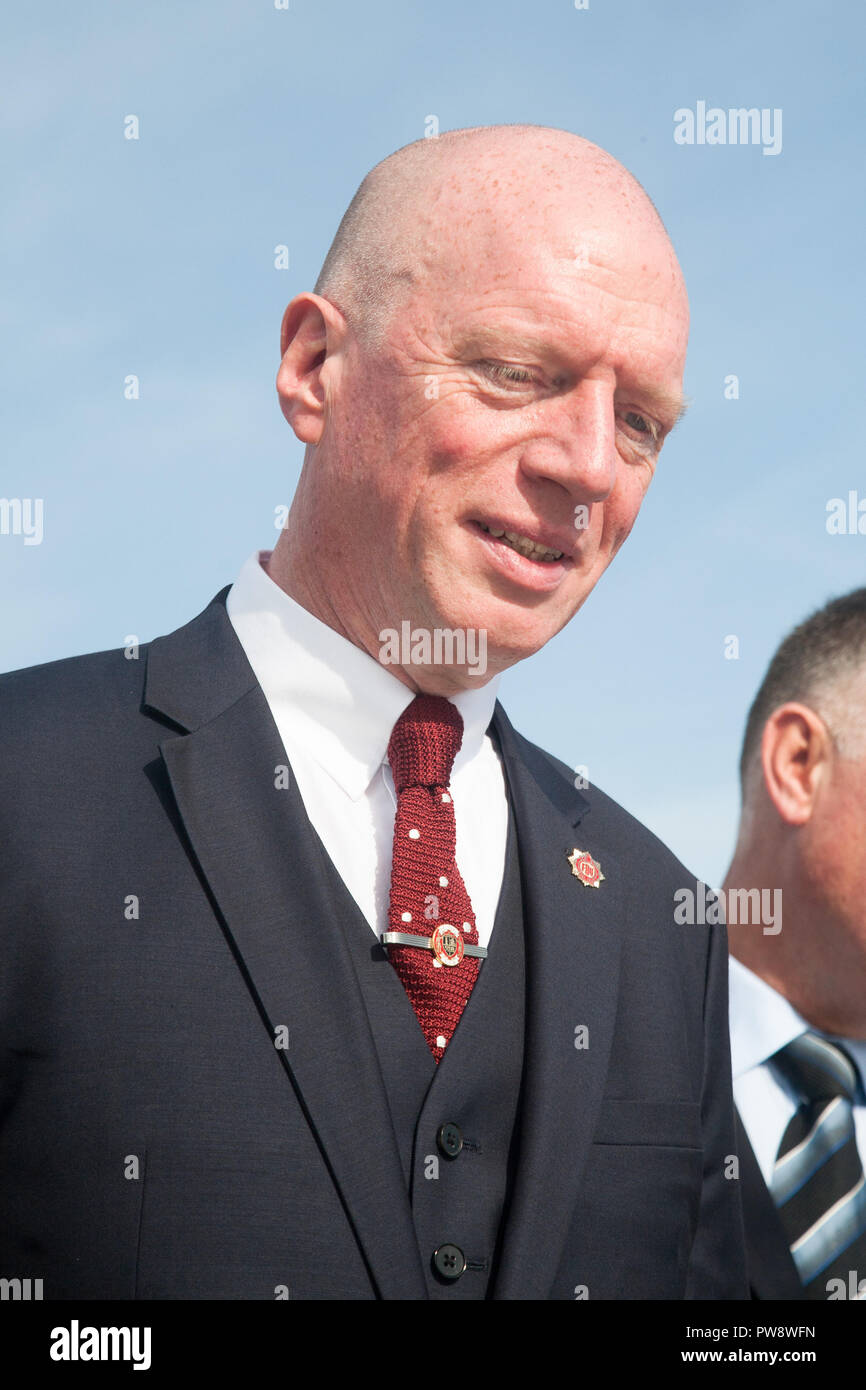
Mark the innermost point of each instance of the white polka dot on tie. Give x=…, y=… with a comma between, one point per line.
x=443, y=882
x=445, y=796
x=467, y=926
x=441, y=1041
x=414, y=834
x=406, y=917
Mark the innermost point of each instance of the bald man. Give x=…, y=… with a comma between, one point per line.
x=325, y=983
x=798, y=976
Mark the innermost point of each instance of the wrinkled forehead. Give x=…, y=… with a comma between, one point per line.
x=550, y=262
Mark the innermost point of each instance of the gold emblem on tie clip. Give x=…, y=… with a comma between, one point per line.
x=584, y=867
x=448, y=945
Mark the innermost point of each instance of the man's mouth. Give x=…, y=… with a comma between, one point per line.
x=532, y=550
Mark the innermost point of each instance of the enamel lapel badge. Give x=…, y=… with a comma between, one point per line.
x=584, y=867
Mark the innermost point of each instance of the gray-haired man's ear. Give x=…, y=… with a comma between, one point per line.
x=795, y=749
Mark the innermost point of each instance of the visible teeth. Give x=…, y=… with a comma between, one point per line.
x=523, y=545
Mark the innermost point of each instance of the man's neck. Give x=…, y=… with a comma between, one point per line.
x=813, y=961
x=305, y=587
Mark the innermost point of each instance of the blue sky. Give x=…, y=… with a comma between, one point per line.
x=155, y=257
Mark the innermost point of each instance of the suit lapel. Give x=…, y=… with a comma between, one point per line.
x=572, y=965
x=269, y=878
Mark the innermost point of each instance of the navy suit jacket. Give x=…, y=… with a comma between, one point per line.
x=191, y=1104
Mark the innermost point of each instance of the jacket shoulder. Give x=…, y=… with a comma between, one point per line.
x=606, y=819
x=77, y=692
x=58, y=695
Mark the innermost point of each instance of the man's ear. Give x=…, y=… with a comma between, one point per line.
x=312, y=331
x=795, y=751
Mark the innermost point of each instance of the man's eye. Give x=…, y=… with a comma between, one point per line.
x=505, y=371
x=638, y=422
x=642, y=425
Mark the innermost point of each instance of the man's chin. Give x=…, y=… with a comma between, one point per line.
x=505, y=634
x=520, y=627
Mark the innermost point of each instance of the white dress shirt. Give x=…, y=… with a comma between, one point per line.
x=335, y=707
x=762, y=1021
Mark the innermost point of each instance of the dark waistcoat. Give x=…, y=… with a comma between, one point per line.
x=468, y=1103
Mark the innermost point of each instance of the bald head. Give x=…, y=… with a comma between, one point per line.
x=430, y=210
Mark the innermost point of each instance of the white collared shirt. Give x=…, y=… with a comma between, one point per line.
x=335, y=707
x=762, y=1021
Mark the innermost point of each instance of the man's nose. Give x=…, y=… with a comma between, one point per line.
x=575, y=445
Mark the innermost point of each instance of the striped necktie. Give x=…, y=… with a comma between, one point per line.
x=818, y=1183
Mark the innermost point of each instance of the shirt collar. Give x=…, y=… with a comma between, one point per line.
x=339, y=703
x=762, y=1021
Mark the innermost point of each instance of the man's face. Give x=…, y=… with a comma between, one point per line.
x=526, y=391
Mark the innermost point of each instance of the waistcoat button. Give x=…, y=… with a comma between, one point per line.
x=449, y=1261
x=449, y=1140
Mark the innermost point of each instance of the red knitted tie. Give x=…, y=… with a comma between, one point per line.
x=428, y=896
